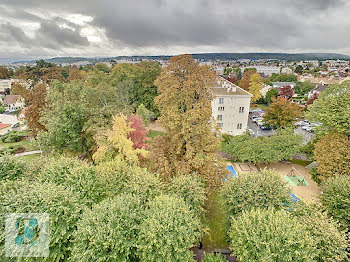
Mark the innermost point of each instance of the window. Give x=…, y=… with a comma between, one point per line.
x=241, y=109
x=221, y=108
x=219, y=118
x=239, y=126
x=221, y=100
x=221, y=124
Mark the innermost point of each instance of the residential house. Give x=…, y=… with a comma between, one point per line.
x=5, y=86
x=230, y=107
x=279, y=85
x=5, y=128
x=317, y=90
x=13, y=102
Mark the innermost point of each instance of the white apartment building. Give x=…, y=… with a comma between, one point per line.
x=5, y=84
x=266, y=70
x=230, y=107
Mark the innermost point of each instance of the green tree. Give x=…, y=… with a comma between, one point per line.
x=270, y=94
x=62, y=205
x=332, y=154
x=143, y=112
x=103, y=67
x=336, y=199
x=210, y=257
x=282, y=113
x=192, y=141
x=255, y=85
x=304, y=88
x=299, y=70
x=168, y=230
x=254, y=190
x=109, y=231
x=332, y=108
x=11, y=168
x=267, y=235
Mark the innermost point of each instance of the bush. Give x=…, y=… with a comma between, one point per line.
x=63, y=206
x=192, y=189
x=109, y=231
x=75, y=175
x=209, y=257
x=336, y=199
x=264, y=235
x=13, y=137
x=11, y=168
x=10, y=150
x=330, y=241
x=252, y=190
x=120, y=177
x=168, y=231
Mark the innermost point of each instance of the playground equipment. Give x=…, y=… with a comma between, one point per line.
x=295, y=173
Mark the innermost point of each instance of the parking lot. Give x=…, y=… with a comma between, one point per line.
x=257, y=131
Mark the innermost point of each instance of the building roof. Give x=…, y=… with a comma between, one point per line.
x=282, y=84
x=226, y=88
x=11, y=99
x=4, y=125
x=320, y=88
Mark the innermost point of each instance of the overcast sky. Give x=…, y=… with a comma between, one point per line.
x=49, y=28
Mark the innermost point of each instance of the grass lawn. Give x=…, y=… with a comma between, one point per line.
x=262, y=106
x=30, y=158
x=152, y=134
x=217, y=222
x=24, y=143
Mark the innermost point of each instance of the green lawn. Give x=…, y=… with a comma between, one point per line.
x=30, y=158
x=217, y=222
x=25, y=143
x=153, y=134
x=300, y=162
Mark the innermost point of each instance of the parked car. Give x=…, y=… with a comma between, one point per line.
x=266, y=127
x=256, y=110
x=250, y=131
x=257, y=119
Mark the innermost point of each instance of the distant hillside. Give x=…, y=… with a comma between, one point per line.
x=206, y=56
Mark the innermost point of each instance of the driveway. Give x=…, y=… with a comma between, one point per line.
x=307, y=136
x=258, y=132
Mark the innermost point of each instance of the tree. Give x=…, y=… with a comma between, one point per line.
x=233, y=79
x=336, y=199
x=19, y=89
x=36, y=105
x=143, y=112
x=109, y=231
x=286, y=92
x=76, y=74
x=5, y=73
x=11, y=168
x=245, y=81
x=312, y=98
x=103, y=67
x=168, y=230
x=267, y=235
x=282, y=112
x=304, y=87
x=332, y=154
x=115, y=143
x=62, y=205
x=332, y=108
x=270, y=94
x=211, y=257
x=331, y=242
x=299, y=70
x=139, y=132
x=283, y=78
x=192, y=140
x=254, y=190
x=255, y=85
x=282, y=146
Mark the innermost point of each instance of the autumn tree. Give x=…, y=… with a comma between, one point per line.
x=76, y=74
x=255, y=85
x=233, y=79
x=115, y=143
x=139, y=132
x=286, y=92
x=50, y=74
x=332, y=154
x=19, y=89
x=192, y=140
x=282, y=112
x=245, y=81
x=36, y=103
x=5, y=72
x=332, y=108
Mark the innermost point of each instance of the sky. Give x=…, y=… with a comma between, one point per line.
x=31, y=29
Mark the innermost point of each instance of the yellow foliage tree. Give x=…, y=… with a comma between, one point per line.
x=114, y=143
x=255, y=85
x=192, y=140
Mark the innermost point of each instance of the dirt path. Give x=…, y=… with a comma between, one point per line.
x=155, y=126
x=308, y=193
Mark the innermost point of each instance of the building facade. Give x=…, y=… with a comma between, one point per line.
x=230, y=107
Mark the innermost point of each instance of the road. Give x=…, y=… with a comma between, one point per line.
x=258, y=132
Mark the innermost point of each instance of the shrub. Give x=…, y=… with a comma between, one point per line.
x=11, y=168
x=75, y=175
x=264, y=235
x=209, y=257
x=63, y=206
x=332, y=153
x=336, y=199
x=330, y=241
x=109, y=231
x=168, y=231
x=252, y=190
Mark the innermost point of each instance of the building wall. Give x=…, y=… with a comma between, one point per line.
x=231, y=116
x=5, y=130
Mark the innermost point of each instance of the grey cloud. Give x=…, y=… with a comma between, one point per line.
x=11, y=33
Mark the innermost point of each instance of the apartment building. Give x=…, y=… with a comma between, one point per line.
x=230, y=107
